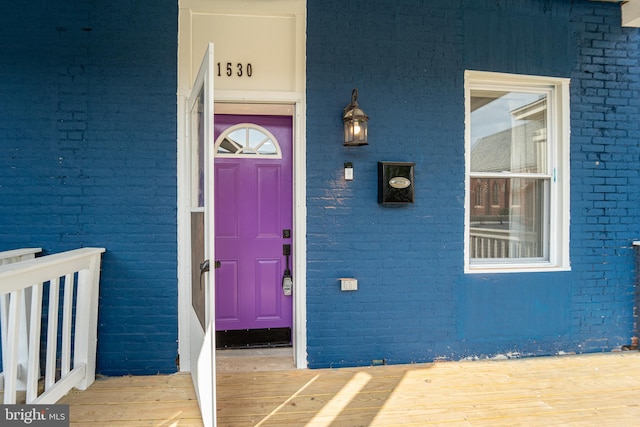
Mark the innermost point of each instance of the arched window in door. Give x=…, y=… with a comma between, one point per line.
x=247, y=140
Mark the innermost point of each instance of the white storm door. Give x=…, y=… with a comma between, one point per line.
x=202, y=315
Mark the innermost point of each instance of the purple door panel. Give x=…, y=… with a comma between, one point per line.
x=253, y=206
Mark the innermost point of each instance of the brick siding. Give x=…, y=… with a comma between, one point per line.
x=414, y=302
x=88, y=158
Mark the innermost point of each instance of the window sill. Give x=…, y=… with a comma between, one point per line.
x=530, y=268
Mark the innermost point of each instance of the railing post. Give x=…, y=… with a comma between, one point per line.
x=636, y=286
x=86, y=336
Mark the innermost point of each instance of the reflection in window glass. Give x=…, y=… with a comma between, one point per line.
x=267, y=148
x=495, y=194
x=239, y=137
x=509, y=231
x=508, y=132
x=508, y=136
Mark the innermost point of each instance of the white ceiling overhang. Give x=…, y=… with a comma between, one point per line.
x=630, y=12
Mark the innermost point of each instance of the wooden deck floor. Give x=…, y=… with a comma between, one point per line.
x=159, y=400
x=584, y=390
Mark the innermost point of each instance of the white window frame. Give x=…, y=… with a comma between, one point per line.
x=558, y=136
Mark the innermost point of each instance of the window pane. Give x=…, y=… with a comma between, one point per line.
x=508, y=132
x=512, y=228
x=227, y=146
x=256, y=137
x=197, y=135
x=267, y=148
x=247, y=141
x=239, y=137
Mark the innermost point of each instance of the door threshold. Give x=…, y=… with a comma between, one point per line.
x=253, y=338
x=254, y=352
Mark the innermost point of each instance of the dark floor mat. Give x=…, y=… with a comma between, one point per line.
x=254, y=338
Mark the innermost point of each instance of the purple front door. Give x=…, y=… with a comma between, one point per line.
x=253, y=208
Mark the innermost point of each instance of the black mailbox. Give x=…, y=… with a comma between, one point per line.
x=395, y=182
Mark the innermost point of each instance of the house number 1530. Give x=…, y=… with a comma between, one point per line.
x=229, y=69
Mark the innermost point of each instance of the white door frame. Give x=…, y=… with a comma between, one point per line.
x=257, y=100
x=299, y=333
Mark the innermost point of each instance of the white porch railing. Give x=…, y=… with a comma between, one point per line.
x=9, y=257
x=490, y=243
x=77, y=272
x=16, y=255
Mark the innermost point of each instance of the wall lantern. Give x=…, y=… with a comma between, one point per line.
x=355, y=123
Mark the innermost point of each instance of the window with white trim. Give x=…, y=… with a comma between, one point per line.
x=517, y=173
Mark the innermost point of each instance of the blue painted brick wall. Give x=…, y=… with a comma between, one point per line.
x=88, y=158
x=414, y=303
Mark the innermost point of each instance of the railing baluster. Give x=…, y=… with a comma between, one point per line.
x=67, y=309
x=11, y=370
x=52, y=333
x=33, y=365
x=4, y=325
